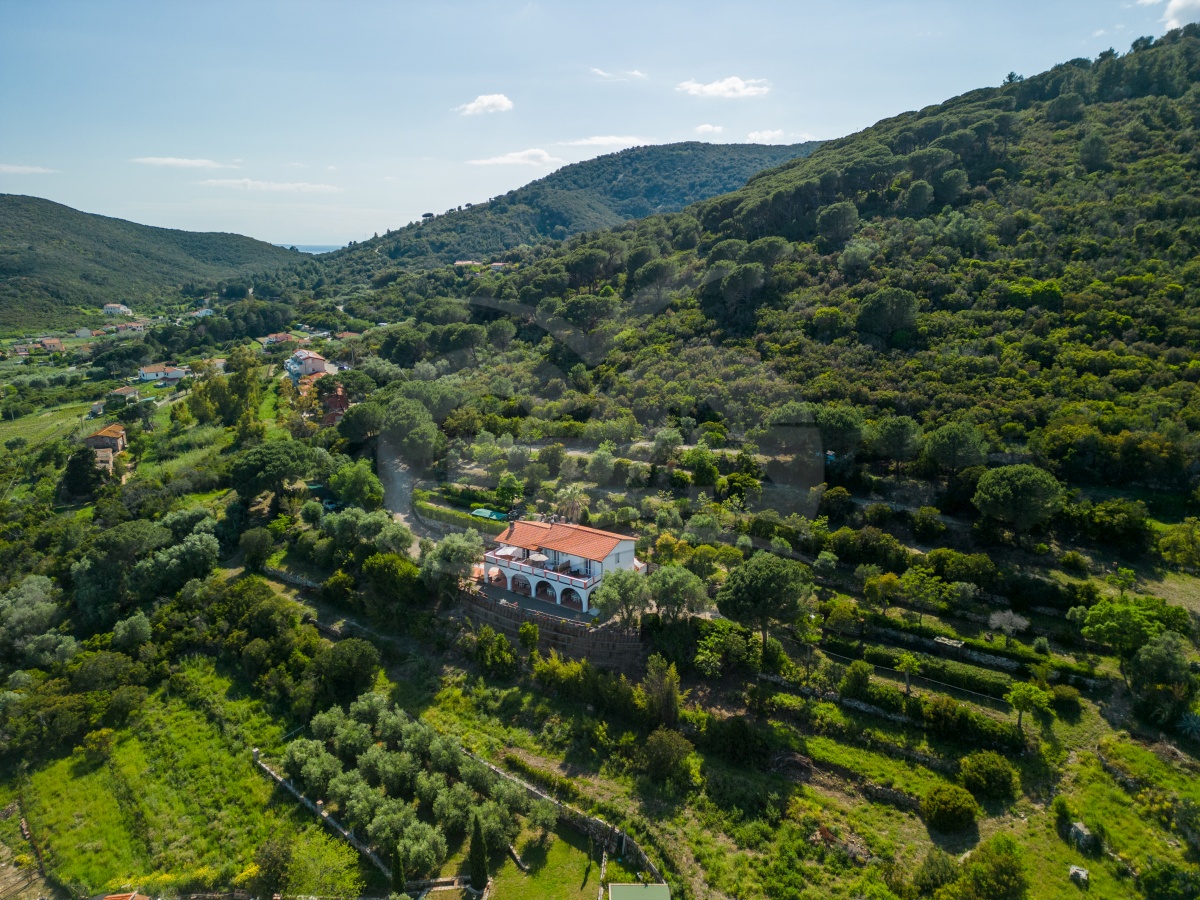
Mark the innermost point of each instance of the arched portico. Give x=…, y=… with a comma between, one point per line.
x=520, y=585
x=571, y=599
x=545, y=591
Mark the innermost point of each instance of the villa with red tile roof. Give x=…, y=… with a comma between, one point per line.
x=558, y=562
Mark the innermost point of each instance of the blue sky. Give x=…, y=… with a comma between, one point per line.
x=319, y=123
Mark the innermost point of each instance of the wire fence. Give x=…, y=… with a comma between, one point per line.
x=921, y=681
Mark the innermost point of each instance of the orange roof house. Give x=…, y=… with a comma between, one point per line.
x=111, y=437
x=558, y=562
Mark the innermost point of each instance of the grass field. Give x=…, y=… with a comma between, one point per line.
x=561, y=868
x=178, y=801
x=46, y=425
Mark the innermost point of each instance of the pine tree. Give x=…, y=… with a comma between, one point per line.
x=477, y=858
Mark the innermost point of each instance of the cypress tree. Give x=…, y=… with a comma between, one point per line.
x=477, y=858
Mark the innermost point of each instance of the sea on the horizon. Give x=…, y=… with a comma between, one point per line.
x=312, y=248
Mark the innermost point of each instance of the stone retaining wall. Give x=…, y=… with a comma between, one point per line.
x=289, y=578
x=602, y=645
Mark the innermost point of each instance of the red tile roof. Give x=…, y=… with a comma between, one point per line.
x=576, y=540
x=111, y=431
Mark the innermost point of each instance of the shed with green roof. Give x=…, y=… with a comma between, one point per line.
x=639, y=892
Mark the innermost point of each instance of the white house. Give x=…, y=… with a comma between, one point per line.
x=305, y=362
x=117, y=309
x=163, y=372
x=556, y=561
x=201, y=313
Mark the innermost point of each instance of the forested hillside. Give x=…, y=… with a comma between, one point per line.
x=1021, y=257
x=58, y=266
x=585, y=196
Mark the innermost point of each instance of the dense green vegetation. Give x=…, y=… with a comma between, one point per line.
x=58, y=266
x=585, y=196
x=908, y=430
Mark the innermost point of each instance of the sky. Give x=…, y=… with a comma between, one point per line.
x=322, y=122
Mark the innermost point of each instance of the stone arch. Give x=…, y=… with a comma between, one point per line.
x=521, y=585
x=571, y=598
x=545, y=591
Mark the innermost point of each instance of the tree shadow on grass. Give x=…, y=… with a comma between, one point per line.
x=535, y=853
x=957, y=842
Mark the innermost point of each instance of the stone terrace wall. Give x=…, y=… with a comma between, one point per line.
x=602, y=645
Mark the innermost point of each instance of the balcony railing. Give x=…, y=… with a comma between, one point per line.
x=579, y=582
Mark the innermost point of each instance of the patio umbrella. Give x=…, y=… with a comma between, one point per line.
x=507, y=551
x=538, y=557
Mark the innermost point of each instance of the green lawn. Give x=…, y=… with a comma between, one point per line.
x=177, y=803
x=560, y=869
x=48, y=424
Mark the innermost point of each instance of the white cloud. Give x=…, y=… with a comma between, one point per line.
x=1148, y=2
x=485, y=103
x=1180, y=12
x=1098, y=33
x=532, y=157
x=175, y=162
x=292, y=187
x=726, y=87
x=607, y=140
x=709, y=129
x=771, y=136
x=10, y=169
x=613, y=76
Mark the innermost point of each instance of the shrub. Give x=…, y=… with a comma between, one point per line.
x=1065, y=698
x=857, y=680
x=257, y=545
x=665, y=752
x=1041, y=644
x=1074, y=562
x=937, y=870
x=948, y=807
x=987, y=775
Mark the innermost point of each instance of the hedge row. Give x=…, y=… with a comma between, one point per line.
x=1016, y=652
x=563, y=787
x=947, y=671
x=946, y=717
x=454, y=517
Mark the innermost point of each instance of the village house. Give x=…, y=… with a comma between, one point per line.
x=51, y=345
x=21, y=349
x=110, y=437
x=117, y=309
x=346, y=335
x=281, y=337
x=131, y=393
x=201, y=313
x=304, y=362
x=558, y=562
x=163, y=372
x=83, y=332
x=98, y=408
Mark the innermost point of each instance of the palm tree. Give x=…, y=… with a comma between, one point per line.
x=571, y=501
